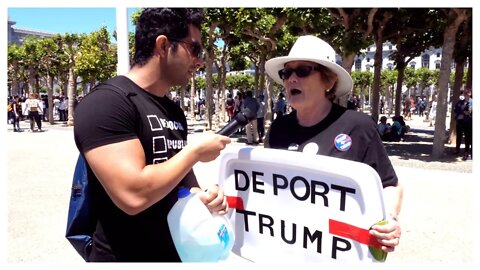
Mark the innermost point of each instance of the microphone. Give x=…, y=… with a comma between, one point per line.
x=239, y=120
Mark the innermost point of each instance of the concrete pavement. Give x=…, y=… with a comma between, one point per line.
x=437, y=214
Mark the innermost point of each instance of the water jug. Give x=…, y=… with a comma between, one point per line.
x=198, y=235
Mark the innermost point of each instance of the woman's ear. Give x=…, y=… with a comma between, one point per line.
x=332, y=80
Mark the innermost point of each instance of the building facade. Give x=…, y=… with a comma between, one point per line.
x=430, y=59
x=17, y=35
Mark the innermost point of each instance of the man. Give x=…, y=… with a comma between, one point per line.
x=312, y=80
x=260, y=117
x=280, y=105
x=251, y=129
x=137, y=155
x=463, y=117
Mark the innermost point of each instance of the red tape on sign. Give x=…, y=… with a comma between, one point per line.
x=351, y=232
x=235, y=202
x=335, y=227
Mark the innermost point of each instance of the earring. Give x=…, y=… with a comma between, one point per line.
x=328, y=90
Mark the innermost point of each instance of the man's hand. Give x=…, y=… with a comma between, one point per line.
x=207, y=147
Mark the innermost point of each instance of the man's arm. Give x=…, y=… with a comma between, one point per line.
x=134, y=186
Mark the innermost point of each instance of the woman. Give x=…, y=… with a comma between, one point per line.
x=312, y=80
x=17, y=111
x=34, y=110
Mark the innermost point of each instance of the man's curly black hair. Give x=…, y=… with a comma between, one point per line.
x=171, y=22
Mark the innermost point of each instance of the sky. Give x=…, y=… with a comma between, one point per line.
x=66, y=20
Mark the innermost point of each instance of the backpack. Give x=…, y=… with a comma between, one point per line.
x=81, y=219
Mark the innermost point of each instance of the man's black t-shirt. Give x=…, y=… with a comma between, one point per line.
x=343, y=133
x=106, y=116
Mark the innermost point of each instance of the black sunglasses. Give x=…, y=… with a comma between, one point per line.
x=196, y=51
x=301, y=71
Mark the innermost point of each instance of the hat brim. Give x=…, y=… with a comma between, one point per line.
x=344, y=81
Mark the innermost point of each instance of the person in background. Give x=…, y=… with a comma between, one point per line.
x=62, y=109
x=45, y=108
x=138, y=156
x=280, y=106
x=17, y=111
x=33, y=107
x=261, y=117
x=384, y=129
x=312, y=81
x=251, y=130
x=463, y=120
x=230, y=105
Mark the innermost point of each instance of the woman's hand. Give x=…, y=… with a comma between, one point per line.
x=215, y=200
x=387, y=234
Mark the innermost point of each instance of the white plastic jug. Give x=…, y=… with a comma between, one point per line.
x=198, y=235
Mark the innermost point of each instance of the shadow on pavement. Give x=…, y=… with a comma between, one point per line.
x=418, y=145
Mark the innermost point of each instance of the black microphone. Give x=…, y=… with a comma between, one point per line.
x=239, y=120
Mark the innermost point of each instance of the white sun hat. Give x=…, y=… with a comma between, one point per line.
x=313, y=49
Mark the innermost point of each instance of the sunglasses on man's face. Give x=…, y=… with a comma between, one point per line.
x=196, y=48
x=301, y=71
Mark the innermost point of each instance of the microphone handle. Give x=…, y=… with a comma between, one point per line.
x=229, y=129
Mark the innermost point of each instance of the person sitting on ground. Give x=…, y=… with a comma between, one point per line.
x=399, y=128
x=384, y=129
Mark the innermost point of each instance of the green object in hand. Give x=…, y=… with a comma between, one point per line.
x=378, y=253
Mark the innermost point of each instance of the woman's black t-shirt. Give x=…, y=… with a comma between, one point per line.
x=343, y=133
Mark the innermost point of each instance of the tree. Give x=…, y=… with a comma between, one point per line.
x=31, y=61
x=362, y=80
x=69, y=43
x=455, y=17
x=389, y=78
x=462, y=52
x=265, y=28
x=417, y=30
x=16, y=55
x=50, y=58
x=355, y=34
x=380, y=24
x=425, y=78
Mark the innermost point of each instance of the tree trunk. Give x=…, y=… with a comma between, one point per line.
x=455, y=93
x=84, y=88
x=182, y=98
x=456, y=16
x=268, y=103
x=261, y=67
x=50, y=98
x=347, y=63
x=31, y=80
x=193, y=94
x=15, y=81
x=398, y=91
x=221, y=93
x=377, y=76
x=208, y=94
x=469, y=73
x=257, y=75
x=70, y=90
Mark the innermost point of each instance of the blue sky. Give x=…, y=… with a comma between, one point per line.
x=66, y=20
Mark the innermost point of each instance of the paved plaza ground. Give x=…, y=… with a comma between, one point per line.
x=437, y=216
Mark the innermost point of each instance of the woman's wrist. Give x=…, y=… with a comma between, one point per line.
x=393, y=217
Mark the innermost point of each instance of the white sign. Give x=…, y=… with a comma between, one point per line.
x=291, y=206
